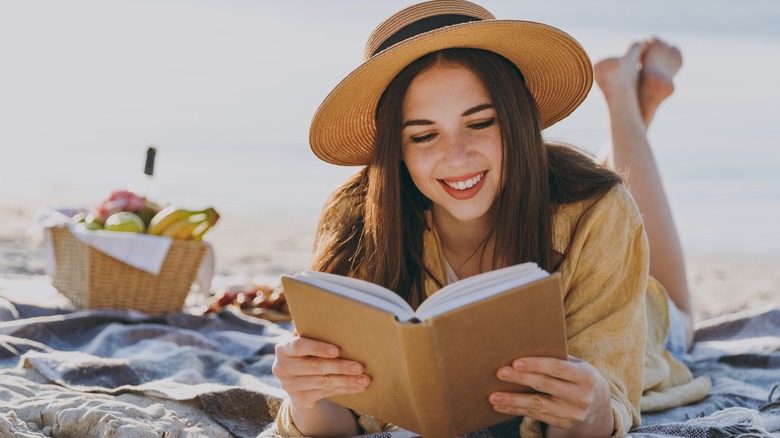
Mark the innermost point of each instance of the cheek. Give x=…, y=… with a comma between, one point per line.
x=497, y=143
x=496, y=151
x=417, y=166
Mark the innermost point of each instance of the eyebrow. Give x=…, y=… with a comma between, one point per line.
x=476, y=109
x=468, y=112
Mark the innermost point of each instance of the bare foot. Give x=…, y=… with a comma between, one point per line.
x=660, y=62
x=618, y=78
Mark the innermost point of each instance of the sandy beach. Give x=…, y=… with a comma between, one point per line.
x=260, y=248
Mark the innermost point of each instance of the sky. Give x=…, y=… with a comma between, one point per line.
x=207, y=71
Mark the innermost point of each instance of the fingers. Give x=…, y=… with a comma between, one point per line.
x=307, y=391
x=544, y=383
x=566, y=393
x=308, y=357
x=573, y=370
x=310, y=370
x=300, y=347
x=315, y=366
x=573, y=381
x=332, y=383
x=538, y=407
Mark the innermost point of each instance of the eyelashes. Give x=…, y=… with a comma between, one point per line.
x=483, y=125
x=427, y=137
x=423, y=138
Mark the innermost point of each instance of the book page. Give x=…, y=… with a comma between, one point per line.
x=472, y=283
x=359, y=290
x=479, y=287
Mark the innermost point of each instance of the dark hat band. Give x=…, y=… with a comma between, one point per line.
x=426, y=24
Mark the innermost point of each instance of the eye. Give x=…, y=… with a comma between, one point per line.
x=423, y=138
x=483, y=125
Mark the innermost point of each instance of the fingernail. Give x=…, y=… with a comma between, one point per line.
x=505, y=373
x=355, y=368
x=333, y=351
x=496, y=398
x=363, y=380
x=519, y=364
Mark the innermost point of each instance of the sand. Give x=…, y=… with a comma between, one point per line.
x=260, y=248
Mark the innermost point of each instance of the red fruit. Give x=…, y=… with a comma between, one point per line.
x=244, y=300
x=225, y=297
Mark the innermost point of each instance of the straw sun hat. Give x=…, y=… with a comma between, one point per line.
x=556, y=69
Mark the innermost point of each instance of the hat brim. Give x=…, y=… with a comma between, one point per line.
x=556, y=69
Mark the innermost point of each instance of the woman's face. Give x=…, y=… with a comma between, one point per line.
x=452, y=141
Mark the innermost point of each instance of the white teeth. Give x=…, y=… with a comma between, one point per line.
x=463, y=185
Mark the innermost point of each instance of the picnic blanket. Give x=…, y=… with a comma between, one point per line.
x=96, y=373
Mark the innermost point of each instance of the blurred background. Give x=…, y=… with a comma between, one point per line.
x=226, y=89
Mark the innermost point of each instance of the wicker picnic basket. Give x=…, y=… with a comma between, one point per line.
x=92, y=279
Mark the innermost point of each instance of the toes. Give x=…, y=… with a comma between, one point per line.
x=635, y=51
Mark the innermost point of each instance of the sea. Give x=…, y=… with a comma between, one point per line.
x=225, y=90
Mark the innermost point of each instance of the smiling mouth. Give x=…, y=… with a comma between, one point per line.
x=464, y=184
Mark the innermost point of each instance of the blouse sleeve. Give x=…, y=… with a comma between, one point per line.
x=604, y=279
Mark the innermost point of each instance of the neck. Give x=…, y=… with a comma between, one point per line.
x=462, y=243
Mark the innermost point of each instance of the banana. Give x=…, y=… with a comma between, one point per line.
x=200, y=230
x=167, y=216
x=183, y=228
x=180, y=223
x=211, y=218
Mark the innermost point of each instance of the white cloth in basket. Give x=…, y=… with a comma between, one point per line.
x=141, y=251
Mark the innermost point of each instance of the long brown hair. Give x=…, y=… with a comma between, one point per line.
x=372, y=226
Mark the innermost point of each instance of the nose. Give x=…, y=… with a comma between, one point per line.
x=456, y=148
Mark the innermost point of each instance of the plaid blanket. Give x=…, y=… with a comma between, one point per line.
x=66, y=372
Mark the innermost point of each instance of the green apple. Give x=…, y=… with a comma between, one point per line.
x=126, y=221
x=91, y=223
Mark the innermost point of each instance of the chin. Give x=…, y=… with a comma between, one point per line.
x=468, y=215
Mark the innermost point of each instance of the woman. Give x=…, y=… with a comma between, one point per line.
x=447, y=114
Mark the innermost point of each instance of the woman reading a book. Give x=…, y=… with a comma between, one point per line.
x=446, y=115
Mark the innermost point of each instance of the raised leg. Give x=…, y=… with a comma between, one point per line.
x=634, y=86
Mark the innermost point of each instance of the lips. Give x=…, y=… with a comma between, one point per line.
x=467, y=184
x=464, y=187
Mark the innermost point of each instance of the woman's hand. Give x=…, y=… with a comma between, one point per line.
x=571, y=395
x=310, y=370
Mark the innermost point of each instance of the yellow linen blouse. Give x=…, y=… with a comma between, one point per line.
x=610, y=304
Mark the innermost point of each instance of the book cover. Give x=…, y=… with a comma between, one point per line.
x=433, y=377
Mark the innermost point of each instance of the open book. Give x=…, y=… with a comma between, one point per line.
x=432, y=369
